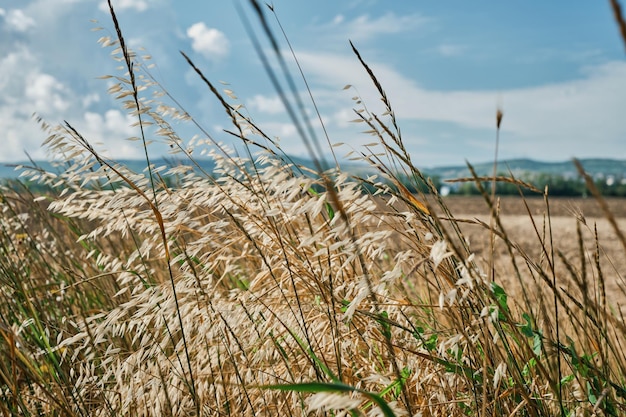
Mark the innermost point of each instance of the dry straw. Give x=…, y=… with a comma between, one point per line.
x=268, y=288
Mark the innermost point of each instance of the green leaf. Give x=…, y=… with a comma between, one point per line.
x=500, y=296
x=386, y=328
x=532, y=362
x=592, y=396
x=317, y=360
x=526, y=328
x=431, y=342
x=329, y=209
x=537, y=343
x=315, y=387
x=567, y=379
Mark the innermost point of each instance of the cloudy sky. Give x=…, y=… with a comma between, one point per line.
x=557, y=69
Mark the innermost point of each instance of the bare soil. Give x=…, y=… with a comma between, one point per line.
x=558, y=206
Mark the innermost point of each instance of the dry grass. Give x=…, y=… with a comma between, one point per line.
x=619, y=19
x=267, y=288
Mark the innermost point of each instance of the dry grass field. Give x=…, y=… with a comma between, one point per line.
x=267, y=288
x=559, y=206
x=565, y=214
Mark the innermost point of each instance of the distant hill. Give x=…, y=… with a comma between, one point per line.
x=522, y=167
x=519, y=167
x=8, y=170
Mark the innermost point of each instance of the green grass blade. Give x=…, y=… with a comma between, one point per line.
x=316, y=387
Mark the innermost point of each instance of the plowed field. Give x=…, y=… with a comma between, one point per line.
x=561, y=230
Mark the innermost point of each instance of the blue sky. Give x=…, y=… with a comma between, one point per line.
x=557, y=69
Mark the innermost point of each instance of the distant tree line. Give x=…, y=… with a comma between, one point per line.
x=558, y=185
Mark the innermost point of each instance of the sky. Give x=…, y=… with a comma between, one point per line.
x=556, y=69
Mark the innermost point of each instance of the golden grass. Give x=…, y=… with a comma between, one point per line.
x=266, y=288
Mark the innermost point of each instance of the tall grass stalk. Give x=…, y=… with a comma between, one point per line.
x=268, y=288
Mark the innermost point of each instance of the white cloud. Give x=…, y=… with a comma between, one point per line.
x=46, y=93
x=90, y=99
x=113, y=121
x=26, y=90
x=17, y=20
x=209, y=42
x=32, y=89
x=551, y=121
x=37, y=79
x=109, y=132
x=23, y=90
x=450, y=50
x=270, y=105
x=138, y=5
x=364, y=27
x=284, y=133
